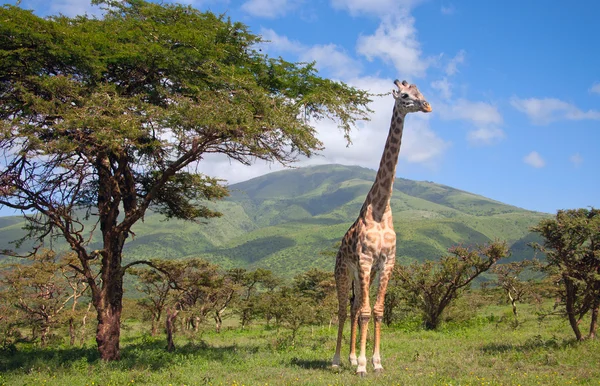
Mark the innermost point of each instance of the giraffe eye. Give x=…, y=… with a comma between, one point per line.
x=404, y=96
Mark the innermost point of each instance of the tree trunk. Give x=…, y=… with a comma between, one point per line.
x=570, y=307
x=154, y=330
x=109, y=330
x=218, y=321
x=109, y=303
x=594, y=321
x=83, y=323
x=513, y=302
x=170, y=327
x=45, y=330
x=196, y=323
x=71, y=331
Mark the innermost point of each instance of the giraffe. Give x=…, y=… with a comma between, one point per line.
x=369, y=246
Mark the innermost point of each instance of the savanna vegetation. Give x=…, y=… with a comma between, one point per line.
x=102, y=122
x=191, y=322
x=105, y=119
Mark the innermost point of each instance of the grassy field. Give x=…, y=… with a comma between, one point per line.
x=483, y=351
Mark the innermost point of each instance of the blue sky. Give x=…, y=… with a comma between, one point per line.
x=514, y=86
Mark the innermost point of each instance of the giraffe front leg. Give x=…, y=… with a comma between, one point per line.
x=364, y=319
x=364, y=311
x=353, y=328
x=378, y=311
x=377, y=367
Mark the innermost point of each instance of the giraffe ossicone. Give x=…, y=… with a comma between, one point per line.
x=368, y=248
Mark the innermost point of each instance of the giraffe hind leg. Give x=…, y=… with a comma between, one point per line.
x=354, y=307
x=342, y=281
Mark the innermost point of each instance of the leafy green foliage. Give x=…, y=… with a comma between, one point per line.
x=42, y=294
x=572, y=247
x=432, y=286
x=267, y=224
x=103, y=119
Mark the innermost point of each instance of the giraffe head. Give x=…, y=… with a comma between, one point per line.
x=409, y=99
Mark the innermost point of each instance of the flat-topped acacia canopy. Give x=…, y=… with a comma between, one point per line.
x=109, y=115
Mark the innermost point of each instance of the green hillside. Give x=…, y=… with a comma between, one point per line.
x=285, y=220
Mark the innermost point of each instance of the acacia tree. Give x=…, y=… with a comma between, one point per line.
x=431, y=286
x=572, y=248
x=103, y=119
x=42, y=291
x=193, y=281
x=318, y=289
x=156, y=287
x=508, y=277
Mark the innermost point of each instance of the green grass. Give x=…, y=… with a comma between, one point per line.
x=485, y=350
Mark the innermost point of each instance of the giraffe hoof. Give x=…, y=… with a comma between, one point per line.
x=361, y=374
x=378, y=370
x=336, y=368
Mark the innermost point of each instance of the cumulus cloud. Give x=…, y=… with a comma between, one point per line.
x=276, y=43
x=269, y=9
x=443, y=86
x=485, y=135
x=68, y=8
x=452, y=66
x=374, y=7
x=548, y=110
x=535, y=160
x=595, y=88
x=576, y=159
x=420, y=144
x=448, y=10
x=395, y=41
x=329, y=57
x=333, y=59
x=484, y=116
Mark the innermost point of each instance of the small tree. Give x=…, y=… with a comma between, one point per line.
x=42, y=291
x=192, y=282
x=509, y=278
x=249, y=303
x=572, y=248
x=156, y=287
x=317, y=287
x=431, y=286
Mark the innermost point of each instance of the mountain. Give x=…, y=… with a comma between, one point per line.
x=286, y=221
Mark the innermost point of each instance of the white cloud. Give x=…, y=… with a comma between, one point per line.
x=68, y=8
x=576, y=159
x=451, y=67
x=420, y=144
x=595, y=88
x=396, y=41
x=478, y=113
x=278, y=43
x=374, y=7
x=485, y=135
x=448, y=10
x=484, y=116
x=269, y=8
x=329, y=57
x=333, y=59
x=444, y=87
x=548, y=110
x=534, y=159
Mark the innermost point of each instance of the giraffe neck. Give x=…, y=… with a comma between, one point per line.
x=381, y=192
